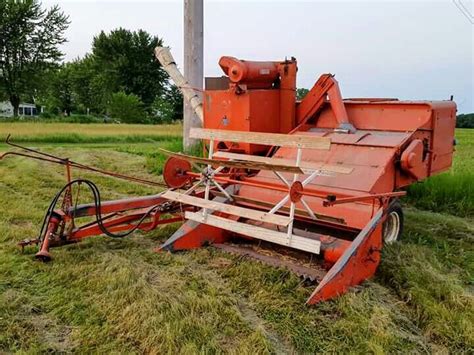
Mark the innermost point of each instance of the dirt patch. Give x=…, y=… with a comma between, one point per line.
x=56, y=337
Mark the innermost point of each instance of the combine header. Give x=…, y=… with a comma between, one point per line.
x=310, y=185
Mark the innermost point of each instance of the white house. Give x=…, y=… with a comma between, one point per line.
x=25, y=109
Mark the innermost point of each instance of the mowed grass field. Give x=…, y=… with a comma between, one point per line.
x=108, y=295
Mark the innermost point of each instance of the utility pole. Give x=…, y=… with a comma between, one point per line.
x=193, y=61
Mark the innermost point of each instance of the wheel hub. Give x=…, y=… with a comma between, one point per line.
x=391, y=228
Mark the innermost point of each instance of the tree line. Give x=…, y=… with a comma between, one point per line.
x=120, y=78
x=465, y=120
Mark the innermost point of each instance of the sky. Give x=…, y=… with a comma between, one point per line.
x=412, y=50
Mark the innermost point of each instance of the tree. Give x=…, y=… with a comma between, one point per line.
x=127, y=63
x=60, y=93
x=88, y=85
x=169, y=106
x=465, y=120
x=128, y=108
x=301, y=93
x=29, y=44
x=162, y=110
x=175, y=98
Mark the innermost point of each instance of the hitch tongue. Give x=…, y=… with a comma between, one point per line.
x=43, y=254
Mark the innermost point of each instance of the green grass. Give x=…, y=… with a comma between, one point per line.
x=107, y=295
x=453, y=191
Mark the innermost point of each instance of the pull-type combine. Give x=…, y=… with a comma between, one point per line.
x=310, y=185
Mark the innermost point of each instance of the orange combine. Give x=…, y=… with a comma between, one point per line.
x=310, y=185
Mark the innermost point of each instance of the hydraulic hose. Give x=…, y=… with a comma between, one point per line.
x=97, y=203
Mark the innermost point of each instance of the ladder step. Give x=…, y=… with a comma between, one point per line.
x=226, y=208
x=273, y=139
x=295, y=242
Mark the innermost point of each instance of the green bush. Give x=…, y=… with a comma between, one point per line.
x=45, y=115
x=127, y=108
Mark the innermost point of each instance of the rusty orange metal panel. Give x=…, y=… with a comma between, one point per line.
x=251, y=111
x=442, y=144
x=260, y=98
x=287, y=91
x=384, y=116
x=358, y=263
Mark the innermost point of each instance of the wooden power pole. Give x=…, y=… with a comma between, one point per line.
x=193, y=61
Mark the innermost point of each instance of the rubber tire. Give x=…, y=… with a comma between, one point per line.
x=395, y=207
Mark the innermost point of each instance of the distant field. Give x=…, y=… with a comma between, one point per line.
x=87, y=133
x=104, y=295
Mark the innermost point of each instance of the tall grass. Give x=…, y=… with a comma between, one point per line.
x=449, y=192
x=453, y=191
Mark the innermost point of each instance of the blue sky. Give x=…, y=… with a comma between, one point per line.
x=405, y=49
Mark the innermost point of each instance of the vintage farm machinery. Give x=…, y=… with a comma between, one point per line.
x=310, y=185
